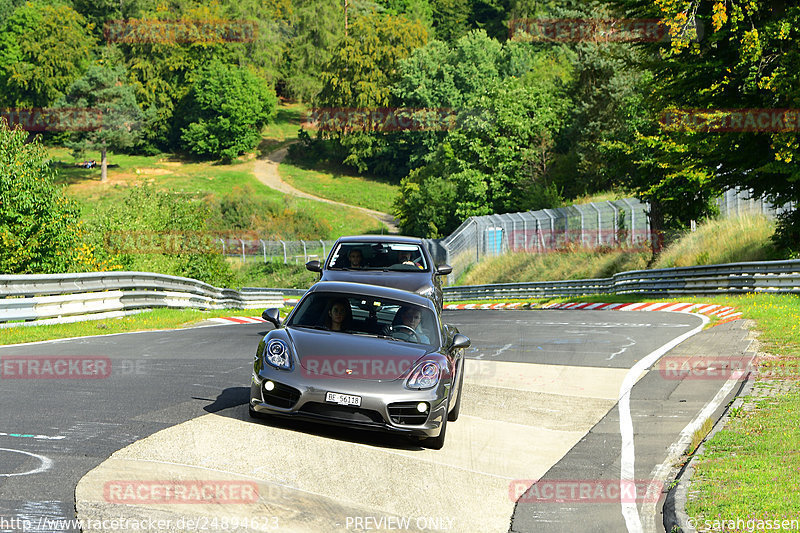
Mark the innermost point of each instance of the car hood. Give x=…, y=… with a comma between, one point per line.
x=347, y=356
x=403, y=280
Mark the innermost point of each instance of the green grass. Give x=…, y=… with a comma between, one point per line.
x=577, y=264
x=284, y=127
x=149, y=320
x=727, y=240
x=197, y=179
x=750, y=469
x=341, y=186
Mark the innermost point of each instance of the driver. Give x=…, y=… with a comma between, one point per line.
x=410, y=317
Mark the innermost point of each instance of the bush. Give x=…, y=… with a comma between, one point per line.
x=39, y=228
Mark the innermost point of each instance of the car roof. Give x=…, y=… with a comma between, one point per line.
x=380, y=239
x=374, y=291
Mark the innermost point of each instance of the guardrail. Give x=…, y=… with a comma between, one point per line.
x=44, y=296
x=38, y=297
x=762, y=276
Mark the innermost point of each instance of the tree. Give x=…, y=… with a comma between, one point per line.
x=494, y=161
x=43, y=49
x=318, y=28
x=225, y=111
x=745, y=58
x=104, y=88
x=37, y=222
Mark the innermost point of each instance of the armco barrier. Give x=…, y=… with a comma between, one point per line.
x=45, y=296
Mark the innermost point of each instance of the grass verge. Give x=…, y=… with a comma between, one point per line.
x=339, y=186
x=149, y=320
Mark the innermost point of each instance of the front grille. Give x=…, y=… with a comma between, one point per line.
x=343, y=412
x=282, y=396
x=405, y=413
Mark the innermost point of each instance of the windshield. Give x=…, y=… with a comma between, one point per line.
x=363, y=315
x=378, y=256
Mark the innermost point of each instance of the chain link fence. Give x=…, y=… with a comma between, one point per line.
x=287, y=252
x=738, y=202
x=616, y=224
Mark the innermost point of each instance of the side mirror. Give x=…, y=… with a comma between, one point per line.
x=443, y=270
x=461, y=341
x=314, y=266
x=272, y=315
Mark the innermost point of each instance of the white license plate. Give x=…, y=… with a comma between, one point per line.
x=343, y=399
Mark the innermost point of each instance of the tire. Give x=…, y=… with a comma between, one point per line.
x=452, y=416
x=436, y=443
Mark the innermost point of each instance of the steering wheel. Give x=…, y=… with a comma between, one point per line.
x=410, y=330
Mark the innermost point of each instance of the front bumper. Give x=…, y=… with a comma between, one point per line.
x=385, y=405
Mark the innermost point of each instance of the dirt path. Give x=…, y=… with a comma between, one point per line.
x=266, y=171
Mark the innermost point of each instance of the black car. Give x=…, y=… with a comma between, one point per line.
x=362, y=356
x=388, y=260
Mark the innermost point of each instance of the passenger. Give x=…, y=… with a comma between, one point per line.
x=338, y=315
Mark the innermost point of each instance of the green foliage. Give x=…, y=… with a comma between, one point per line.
x=135, y=234
x=318, y=28
x=43, y=49
x=39, y=228
x=225, y=111
x=105, y=88
x=494, y=162
x=163, y=71
x=747, y=57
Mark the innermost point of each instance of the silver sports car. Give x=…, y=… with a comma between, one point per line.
x=362, y=356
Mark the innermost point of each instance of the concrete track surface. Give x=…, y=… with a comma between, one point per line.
x=541, y=402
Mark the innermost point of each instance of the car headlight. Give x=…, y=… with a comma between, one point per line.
x=424, y=376
x=277, y=355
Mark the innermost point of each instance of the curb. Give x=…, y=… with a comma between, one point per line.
x=676, y=519
x=722, y=312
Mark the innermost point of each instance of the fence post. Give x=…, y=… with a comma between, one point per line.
x=264, y=249
x=616, y=221
x=242, y=242
x=223, y=247
x=284, y=251
x=324, y=255
x=633, y=218
x=305, y=254
x=599, y=224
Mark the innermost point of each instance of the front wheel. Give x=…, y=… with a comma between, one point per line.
x=436, y=443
